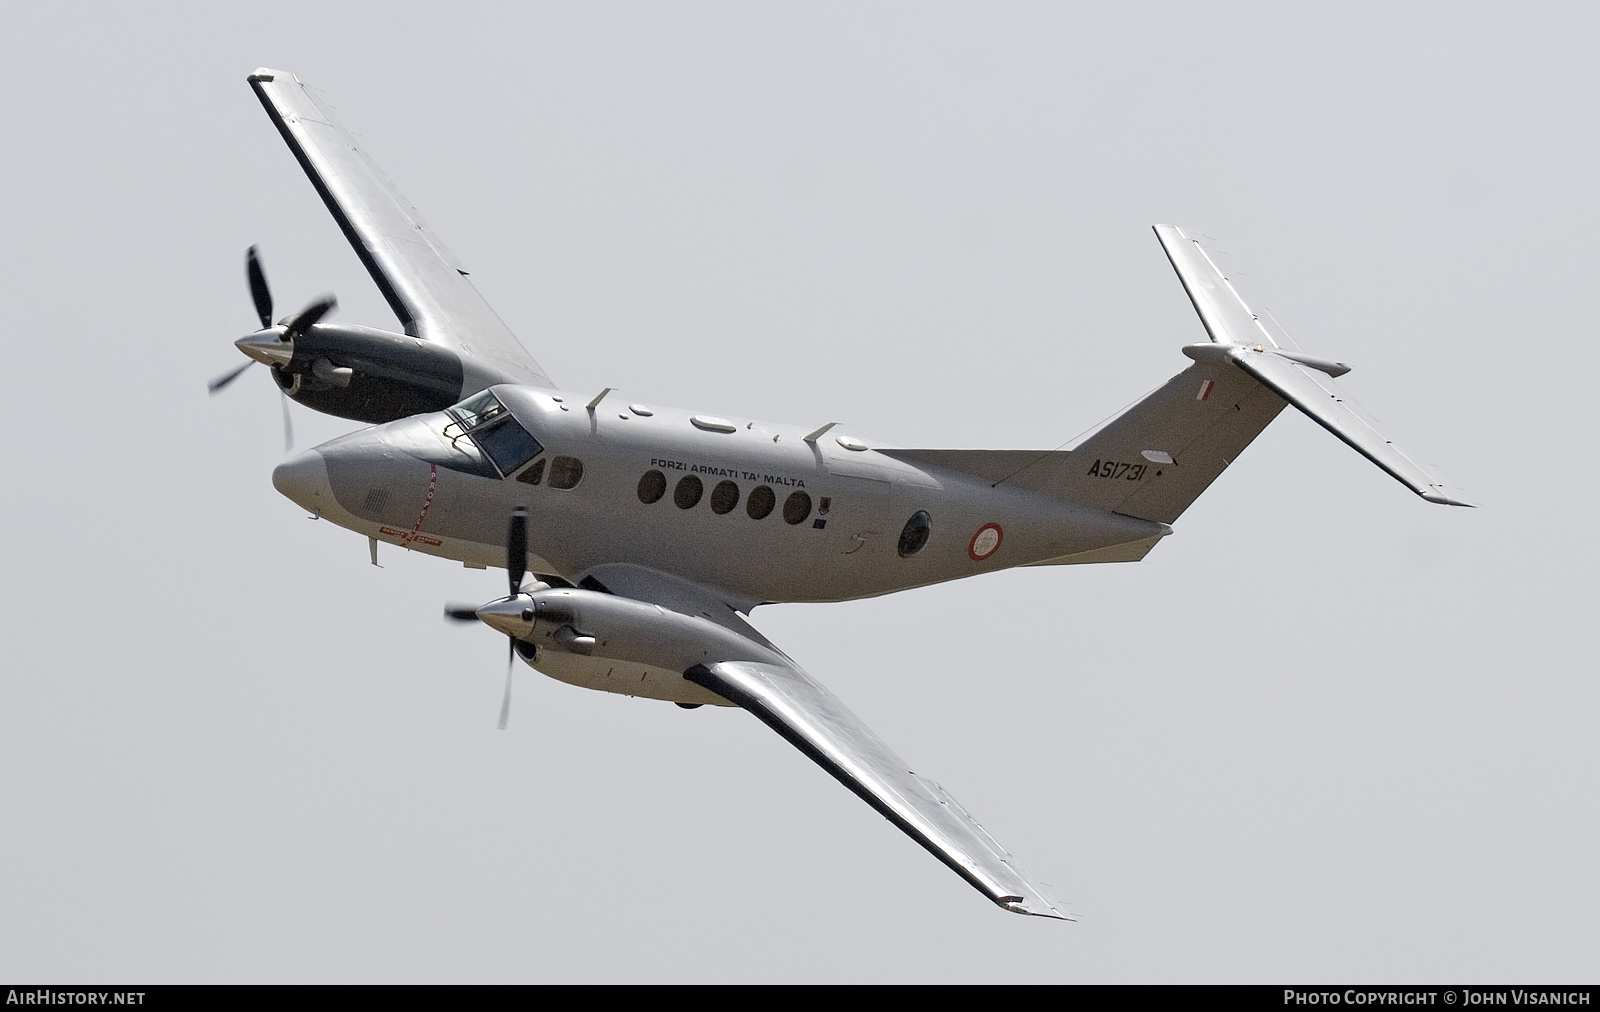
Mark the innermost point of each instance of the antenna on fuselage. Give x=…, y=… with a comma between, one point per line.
x=819, y=433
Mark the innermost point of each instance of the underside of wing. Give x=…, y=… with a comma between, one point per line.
x=423, y=282
x=814, y=720
x=625, y=614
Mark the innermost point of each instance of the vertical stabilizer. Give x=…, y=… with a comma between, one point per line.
x=1257, y=347
x=1156, y=458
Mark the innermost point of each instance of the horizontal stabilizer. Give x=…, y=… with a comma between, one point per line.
x=1259, y=347
x=1315, y=393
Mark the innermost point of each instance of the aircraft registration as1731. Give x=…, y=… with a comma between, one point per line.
x=651, y=532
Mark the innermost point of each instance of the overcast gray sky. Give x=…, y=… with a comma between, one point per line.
x=1325, y=732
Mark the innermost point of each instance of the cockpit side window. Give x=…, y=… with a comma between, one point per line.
x=535, y=474
x=506, y=443
x=487, y=422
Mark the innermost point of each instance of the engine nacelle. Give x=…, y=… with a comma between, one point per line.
x=594, y=624
x=370, y=375
x=617, y=644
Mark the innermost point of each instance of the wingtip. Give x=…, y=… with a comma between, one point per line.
x=1169, y=235
x=1036, y=903
x=1444, y=500
x=1019, y=905
x=1057, y=915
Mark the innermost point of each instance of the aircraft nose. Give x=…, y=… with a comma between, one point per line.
x=303, y=478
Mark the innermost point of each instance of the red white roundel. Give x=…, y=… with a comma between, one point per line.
x=986, y=542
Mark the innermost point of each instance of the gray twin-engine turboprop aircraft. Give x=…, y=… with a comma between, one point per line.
x=653, y=531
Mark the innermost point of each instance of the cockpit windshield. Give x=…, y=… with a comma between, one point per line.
x=484, y=420
x=478, y=409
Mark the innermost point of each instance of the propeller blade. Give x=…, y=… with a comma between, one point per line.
x=221, y=381
x=505, y=702
x=461, y=613
x=308, y=317
x=288, y=427
x=517, y=548
x=258, y=287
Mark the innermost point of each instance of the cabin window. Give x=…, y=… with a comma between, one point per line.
x=508, y=444
x=796, y=508
x=724, y=497
x=566, y=472
x=652, y=486
x=688, y=492
x=915, y=534
x=535, y=474
x=760, y=503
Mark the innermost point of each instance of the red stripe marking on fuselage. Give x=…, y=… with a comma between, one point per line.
x=433, y=483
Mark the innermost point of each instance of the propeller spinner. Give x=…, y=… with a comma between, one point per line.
x=516, y=604
x=272, y=346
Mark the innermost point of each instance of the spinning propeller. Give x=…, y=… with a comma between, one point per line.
x=516, y=568
x=272, y=346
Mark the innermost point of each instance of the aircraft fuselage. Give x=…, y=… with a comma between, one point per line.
x=753, y=510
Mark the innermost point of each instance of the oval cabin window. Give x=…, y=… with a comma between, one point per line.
x=915, y=534
x=688, y=492
x=796, y=508
x=652, y=486
x=724, y=497
x=760, y=503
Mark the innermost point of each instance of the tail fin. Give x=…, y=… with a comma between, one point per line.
x=1156, y=458
x=1259, y=347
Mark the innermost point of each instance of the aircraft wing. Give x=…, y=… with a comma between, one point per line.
x=817, y=723
x=425, y=284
